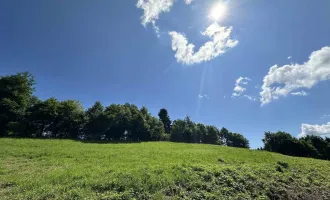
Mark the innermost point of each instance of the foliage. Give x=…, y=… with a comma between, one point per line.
x=308, y=146
x=15, y=98
x=165, y=118
x=233, y=139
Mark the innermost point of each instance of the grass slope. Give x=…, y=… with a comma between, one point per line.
x=64, y=169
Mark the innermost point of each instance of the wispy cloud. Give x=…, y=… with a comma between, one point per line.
x=318, y=130
x=281, y=81
x=239, y=86
x=289, y=57
x=219, y=44
x=188, y=1
x=251, y=98
x=325, y=116
x=301, y=93
x=203, y=96
x=153, y=8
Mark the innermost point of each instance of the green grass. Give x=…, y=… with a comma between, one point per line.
x=64, y=169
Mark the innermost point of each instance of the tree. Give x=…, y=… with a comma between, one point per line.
x=156, y=129
x=224, y=136
x=233, y=139
x=155, y=126
x=95, y=125
x=201, y=133
x=319, y=144
x=280, y=142
x=177, y=130
x=212, y=136
x=238, y=140
x=70, y=119
x=15, y=95
x=184, y=131
x=163, y=116
x=42, y=117
x=139, y=128
x=189, y=134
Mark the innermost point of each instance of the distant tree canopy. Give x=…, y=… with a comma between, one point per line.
x=24, y=115
x=308, y=146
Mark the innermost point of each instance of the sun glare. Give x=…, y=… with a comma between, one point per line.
x=218, y=11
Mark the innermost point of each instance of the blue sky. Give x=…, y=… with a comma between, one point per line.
x=122, y=51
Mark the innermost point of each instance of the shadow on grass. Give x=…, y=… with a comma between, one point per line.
x=76, y=140
x=108, y=141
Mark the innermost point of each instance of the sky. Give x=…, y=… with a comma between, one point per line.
x=249, y=66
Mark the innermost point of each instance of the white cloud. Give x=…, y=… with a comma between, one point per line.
x=301, y=93
x=281, y=81
x=251, y=98
x=203, y=96
x=289, y=57
x=239, y=89
x=153, y=8
x=318, y=130
x=188, y=1
x=325, y=116
x=156, y=29
x=219, y=44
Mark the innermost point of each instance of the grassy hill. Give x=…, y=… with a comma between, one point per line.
x=64, y=169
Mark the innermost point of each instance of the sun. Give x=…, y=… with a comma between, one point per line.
x=218, y=11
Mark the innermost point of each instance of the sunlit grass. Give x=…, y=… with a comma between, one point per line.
x=64, y=169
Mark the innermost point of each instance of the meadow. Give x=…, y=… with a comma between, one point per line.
x=67, y=169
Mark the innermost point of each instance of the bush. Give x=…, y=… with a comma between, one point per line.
x=283, y=164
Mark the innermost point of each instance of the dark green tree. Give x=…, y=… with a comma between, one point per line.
x=42, y=117
x=70, y=120
x=165, y=118
x=15, y=97
x=280, y=142
x=189, y=134
x=319, y=144
x=224, y=136
x=212, y=136
x=233, y=139
x=177, y=130
x=157, y=131
x=201, y=133
x=238, y=140
x=95, y=122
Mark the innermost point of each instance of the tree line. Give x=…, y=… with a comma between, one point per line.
x=24, y=115
x=308, y=146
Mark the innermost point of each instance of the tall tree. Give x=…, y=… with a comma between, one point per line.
x=165, y=118
x=201, y=133
x=95, y=125
x=15, y=96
